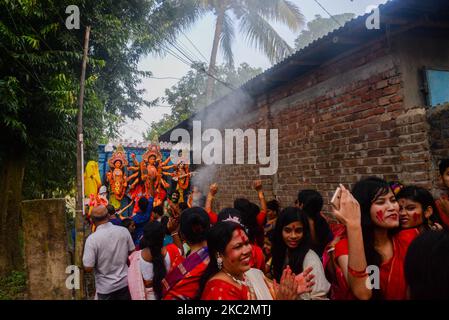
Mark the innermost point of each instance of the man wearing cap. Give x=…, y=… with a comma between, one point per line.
x=106, y=253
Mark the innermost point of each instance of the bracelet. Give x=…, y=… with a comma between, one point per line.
x=174, y=234
x=357, y=274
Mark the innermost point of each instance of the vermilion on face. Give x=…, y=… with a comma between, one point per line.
x=292, y=234
x=385, y=211
x=411, y=213
x=236, y=257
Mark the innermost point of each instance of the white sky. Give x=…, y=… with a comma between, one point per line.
x=202, y=35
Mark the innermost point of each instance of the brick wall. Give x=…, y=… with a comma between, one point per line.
x=345, y=121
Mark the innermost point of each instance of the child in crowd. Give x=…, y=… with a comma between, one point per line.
x=417, y=209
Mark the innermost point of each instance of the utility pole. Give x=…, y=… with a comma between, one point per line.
x=79, y=218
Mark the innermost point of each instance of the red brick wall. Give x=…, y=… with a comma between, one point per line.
x=341, y=129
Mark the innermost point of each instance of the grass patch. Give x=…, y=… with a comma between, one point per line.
x=13, y=286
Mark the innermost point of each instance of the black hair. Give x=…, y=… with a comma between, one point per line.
x=426, y=266
x=279, y=249
x=312, y=202
x=242, y=204
x=366, y=192
x=183, y=206
x=194, y=224
x=249, y=212
x=229, y=213
x=274, y=206
x=143, y=204
x=218, y=238
x=444, y=164
x=111, y=209
x=126, y=222
x=159, y=210
x=424, y=198
x=153, y=239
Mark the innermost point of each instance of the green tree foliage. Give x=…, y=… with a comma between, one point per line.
x=319, y=27
x=39, y=79
x=189, y=94
x=40, y=62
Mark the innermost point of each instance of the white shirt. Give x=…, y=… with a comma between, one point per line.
x=321, y=286
x=147, y=267
x=106, y=250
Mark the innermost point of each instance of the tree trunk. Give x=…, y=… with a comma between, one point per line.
x=213, y=57
x=11, y=179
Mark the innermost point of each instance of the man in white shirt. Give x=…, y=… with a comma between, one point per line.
x=106, y=253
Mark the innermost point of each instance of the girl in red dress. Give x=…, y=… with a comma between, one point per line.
x=418, y=209
x=373, y=238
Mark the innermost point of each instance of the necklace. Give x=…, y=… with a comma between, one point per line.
x=245, y=282
x=241, y=282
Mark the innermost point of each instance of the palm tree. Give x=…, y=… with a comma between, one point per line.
x=253, y=17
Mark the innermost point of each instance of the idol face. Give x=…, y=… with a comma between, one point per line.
x=384, y=211
x=292, y=234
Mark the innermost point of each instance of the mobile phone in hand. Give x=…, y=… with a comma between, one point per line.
x=335, y=201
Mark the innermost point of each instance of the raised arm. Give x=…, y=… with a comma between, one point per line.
x=213, y=189
x=354, y=264
x=259, y=188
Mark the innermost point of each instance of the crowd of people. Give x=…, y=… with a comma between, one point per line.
x=380, y=240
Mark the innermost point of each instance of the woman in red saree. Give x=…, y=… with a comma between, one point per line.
x=183, y=281
x=225, y=279
x=373, y=238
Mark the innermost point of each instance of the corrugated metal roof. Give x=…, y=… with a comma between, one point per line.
x=343, y=39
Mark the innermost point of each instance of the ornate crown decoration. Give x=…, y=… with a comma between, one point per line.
x=118, y=155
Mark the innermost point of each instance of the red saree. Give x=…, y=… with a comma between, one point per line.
x=182, y=283
x=257, y=257
x=392, y=279
x=221, y=290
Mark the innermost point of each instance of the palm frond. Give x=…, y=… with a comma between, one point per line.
x=260, y=34
x=227, y=36
x=281, y=11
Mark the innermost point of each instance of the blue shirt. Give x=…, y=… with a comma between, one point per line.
x=141, y=219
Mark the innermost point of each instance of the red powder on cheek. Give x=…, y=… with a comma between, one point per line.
x=380, y=216
x=415, y=216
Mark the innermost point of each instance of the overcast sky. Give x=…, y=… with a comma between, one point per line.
x=202, y=35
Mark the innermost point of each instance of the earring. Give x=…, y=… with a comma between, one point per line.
x=219, y=262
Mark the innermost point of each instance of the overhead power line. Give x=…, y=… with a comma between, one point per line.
x=327, y=11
